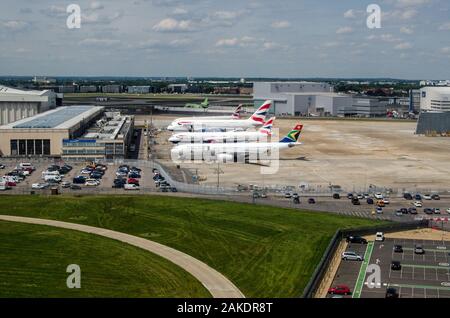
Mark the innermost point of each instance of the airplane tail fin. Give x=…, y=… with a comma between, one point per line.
x=237, y=113
x=293, y=135
x=260, y=115
x=267, y=127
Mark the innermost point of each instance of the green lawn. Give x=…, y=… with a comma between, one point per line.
x=34, y=259
x=265, y=251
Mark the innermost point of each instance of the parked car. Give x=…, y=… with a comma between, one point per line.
x=437, y=211
x=398, y=213
x=356, y=239
x=407, y=196
x=355, y=201
x=370, y=201
x=418, y=249
x=133, y=181
x=311, y=201
x=96, y=175
x=39, y=186
x=79, y=180
x=435, y=197
x=418, y=197
x=173, y=189
x=92, y=183
x=448, y=210
x=131, y=186
x=391, y=293
x=86, y=171
x=418, y=204
x=379, y=196
x=134, y=175
x=351, y=256
x=65, y=184
x=386, y=201
x=396, y=266
x=336, y=196
x=339, y=290
x=379, y=237
x=428, y=211
x=350, y=196
x=288, y=195
x=379, y=210
x=75, y=187
x=398, y=249
x=412, y=211
x=2, y=166
x=427, y=196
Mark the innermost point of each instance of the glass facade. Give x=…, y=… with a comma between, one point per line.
x=30, y=147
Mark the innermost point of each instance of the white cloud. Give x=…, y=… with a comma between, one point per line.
x=227, y=42
x=15, y=25
x=446, y=50
x=180, y=11
x=96, y=6
x=174, y=25
x=281, y=24
x=344, y=30
x=406, y=30
x=403, y=46
x=411, y=3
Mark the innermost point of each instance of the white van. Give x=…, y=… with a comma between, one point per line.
x=24, y=165
x=3, y=186
x=53, y=178
x=50, y=173
x=379, y=237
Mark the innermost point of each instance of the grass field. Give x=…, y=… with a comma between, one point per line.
x=34, y=259
x=265, y=251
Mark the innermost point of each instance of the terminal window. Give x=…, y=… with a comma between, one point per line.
x=30, y=147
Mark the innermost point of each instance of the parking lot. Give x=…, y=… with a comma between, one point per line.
x=420, y=275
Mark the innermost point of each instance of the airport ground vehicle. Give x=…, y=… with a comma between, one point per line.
x=130, y=186
x=339, y=290
x=381, y=203
x=379, y=237
x=396, y=266
x=418, y=249
x=356, y=239
x=398, y=249
x=351, y=256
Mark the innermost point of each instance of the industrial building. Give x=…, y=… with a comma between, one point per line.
x=364, y=107
x=435, y=99
x=138, y=89
x=16, y=104
x=111, y=89
x=76, y=132
x=300, y=98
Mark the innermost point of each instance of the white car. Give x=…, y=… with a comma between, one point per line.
x=378, y=196
x=39, y=185
x=427, y=196
x=379, y=237
x=130, y=186
x=418, y=204
x=386, y=201
x=92, y=183
x=448, y=210
x=437, y=211
x=86, y=171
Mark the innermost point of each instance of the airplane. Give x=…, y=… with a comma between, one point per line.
x=199, y=124
x=204, y=105
x=227, y=136
x=235, y=152
x=235, y=115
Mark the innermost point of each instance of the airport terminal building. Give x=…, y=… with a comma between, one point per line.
x=68, y=132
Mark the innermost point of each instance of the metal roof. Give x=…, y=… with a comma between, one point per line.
x=55, y=118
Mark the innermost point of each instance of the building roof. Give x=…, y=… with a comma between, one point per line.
x=13, y=94
x=438, y=89
x=59, y=118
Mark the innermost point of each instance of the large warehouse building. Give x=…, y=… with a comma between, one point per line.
x=300, y=98
x=76, y=132
x=435, y=111
x=17, y=104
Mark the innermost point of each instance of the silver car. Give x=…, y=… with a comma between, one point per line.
x=351, y=256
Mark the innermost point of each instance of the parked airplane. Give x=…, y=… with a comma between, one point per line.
x=235, y=115
x=200, y=124
x=235, y=152
x=204, y=104
x=227, y=136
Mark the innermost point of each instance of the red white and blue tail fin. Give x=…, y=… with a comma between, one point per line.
x=237, y=113
x=267, y=127
x=259, y=117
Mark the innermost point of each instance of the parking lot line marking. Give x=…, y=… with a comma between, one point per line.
x=424, y=287
x=362, y=271
x=424, y=266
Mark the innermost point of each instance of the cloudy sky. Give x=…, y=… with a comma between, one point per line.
x=238, y=38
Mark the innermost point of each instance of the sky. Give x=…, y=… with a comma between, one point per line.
x=233, y=38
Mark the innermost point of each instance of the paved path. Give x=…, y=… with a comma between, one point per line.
x=217, y=284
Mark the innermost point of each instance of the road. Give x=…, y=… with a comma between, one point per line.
x=217, y=284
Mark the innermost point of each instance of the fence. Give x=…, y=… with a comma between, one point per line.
x=330, y=252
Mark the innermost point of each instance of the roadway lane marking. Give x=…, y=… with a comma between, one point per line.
x=424, y=287
x=362, y=271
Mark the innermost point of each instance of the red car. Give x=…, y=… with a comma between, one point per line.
x=339, y=290
x=10, y=184
x=133, y=181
